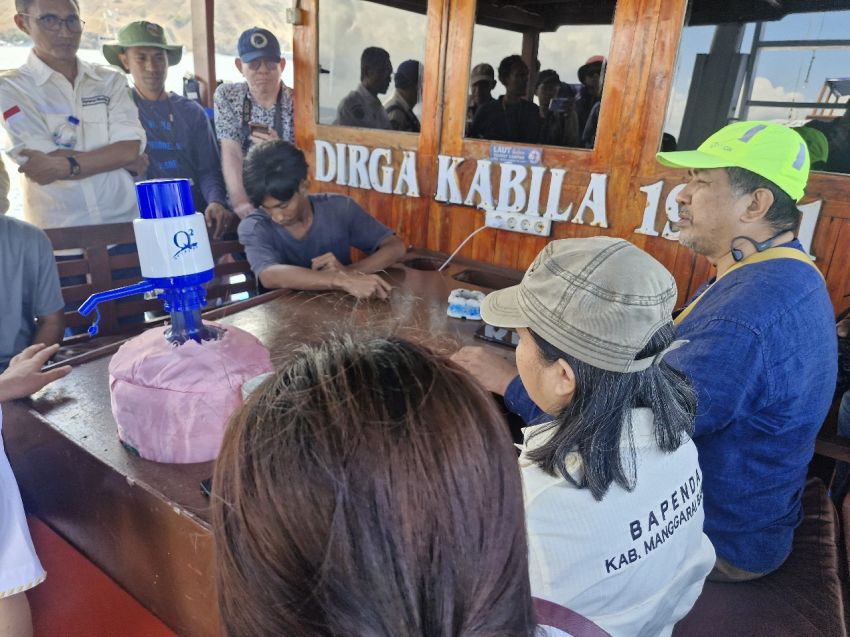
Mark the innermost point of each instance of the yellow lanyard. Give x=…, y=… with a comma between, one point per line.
x=758, y=257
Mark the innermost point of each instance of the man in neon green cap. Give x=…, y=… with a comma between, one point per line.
x=762, y=348
x=762, y=354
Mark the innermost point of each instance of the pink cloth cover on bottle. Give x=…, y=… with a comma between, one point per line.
x=172, y=403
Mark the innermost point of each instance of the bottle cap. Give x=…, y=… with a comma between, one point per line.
x=73, y=120
x=164, y=198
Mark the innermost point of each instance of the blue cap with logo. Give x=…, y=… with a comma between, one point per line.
x=258, y=44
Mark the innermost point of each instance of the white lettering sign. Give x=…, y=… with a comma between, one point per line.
x=359, y=167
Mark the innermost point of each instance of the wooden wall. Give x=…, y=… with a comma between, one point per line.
x=644, y=46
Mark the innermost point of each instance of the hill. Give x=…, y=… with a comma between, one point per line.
x=104, y=18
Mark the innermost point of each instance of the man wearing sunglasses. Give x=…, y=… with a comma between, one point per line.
x=72, y=126
x=256, y=110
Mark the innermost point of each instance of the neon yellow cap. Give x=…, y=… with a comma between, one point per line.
x=771, y=150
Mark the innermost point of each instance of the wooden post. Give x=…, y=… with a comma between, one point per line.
x=203, y=47
x=530, y=44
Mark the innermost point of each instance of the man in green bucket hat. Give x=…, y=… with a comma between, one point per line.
x=181, y=141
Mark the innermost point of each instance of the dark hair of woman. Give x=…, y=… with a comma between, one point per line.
x=592, y=424
x=370, y=488
x=273, y=169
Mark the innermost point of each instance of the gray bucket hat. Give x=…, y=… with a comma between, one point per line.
x=599, y=299
x=141, y=33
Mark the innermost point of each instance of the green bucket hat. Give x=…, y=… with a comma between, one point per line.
x=141, y=33
x=771, y=150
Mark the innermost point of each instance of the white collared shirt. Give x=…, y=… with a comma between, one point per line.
x=20, y=569
x=35, y=100
x=633, y=563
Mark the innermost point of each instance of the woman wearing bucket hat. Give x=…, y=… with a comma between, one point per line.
x=612, y=485
x=181, y=141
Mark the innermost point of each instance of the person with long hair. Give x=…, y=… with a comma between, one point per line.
x=611, y=480
x=370, y=488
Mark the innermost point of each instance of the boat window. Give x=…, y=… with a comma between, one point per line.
x=784, y=62
x=537, y=71
x=371, y=55
x=231, y=19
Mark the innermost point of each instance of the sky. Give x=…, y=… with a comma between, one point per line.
x=783, y=75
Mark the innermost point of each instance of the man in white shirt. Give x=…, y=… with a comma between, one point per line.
x=72, y=126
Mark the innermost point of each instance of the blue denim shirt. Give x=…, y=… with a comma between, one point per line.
x=762, y=357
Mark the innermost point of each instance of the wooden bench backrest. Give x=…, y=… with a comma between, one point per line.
x=99, y=269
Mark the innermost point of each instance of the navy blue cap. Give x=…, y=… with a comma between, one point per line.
x=163, y=198
x=258, y=44
x=407, y=74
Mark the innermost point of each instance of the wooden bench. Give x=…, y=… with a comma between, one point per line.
x=804, y=596
x=98, y=269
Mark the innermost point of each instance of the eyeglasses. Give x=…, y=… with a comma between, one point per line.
x=52, y=22
x=256, y=65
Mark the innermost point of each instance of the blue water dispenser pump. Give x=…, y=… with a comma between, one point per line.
x=175, y=258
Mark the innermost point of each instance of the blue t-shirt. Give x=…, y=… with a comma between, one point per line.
x=181, y=143
x=762, y=357
x=338, y=225
x=29, y=285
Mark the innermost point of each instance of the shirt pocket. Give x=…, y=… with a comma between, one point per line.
x=53, y=122
x=95, y=125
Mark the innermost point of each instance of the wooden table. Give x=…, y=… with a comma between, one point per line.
x=147, y=524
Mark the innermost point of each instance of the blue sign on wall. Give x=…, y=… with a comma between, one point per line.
x=507, y=154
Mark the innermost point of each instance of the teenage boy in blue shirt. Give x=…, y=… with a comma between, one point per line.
x=762, y=351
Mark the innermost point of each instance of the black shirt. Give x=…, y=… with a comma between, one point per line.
x=519, y=122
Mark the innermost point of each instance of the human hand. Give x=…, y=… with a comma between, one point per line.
x=24, y=375
x=491, y=370
x=219, y=219
x=842, y=328
x=327, y=262
x=365, y=286
x=258, y=136
x=44, y=169
x=139, y=166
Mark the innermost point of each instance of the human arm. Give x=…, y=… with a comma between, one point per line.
x=228, y=130
x=48, y=305
x=500, y=377
x=15, y=616
x=50, y=328
x=492, y=371
x=293, y=277
x=46, y=168
x=367, y=234
x=231, y=168
x=390, y=251
x=724, y=361
x=24, y=376
x=275, y=270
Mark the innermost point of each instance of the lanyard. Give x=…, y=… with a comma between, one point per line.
x=246, y=117
x=758, y=257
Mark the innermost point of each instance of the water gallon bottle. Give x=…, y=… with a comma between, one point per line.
x=65, y=136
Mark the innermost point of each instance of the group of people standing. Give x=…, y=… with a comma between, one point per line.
x=565, y=114
x=362, y=108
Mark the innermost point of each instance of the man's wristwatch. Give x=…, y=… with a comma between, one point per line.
x=75, y=166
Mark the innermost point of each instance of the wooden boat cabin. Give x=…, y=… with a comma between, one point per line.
x=672, y=72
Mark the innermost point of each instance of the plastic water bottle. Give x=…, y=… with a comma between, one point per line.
x=65, y=136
